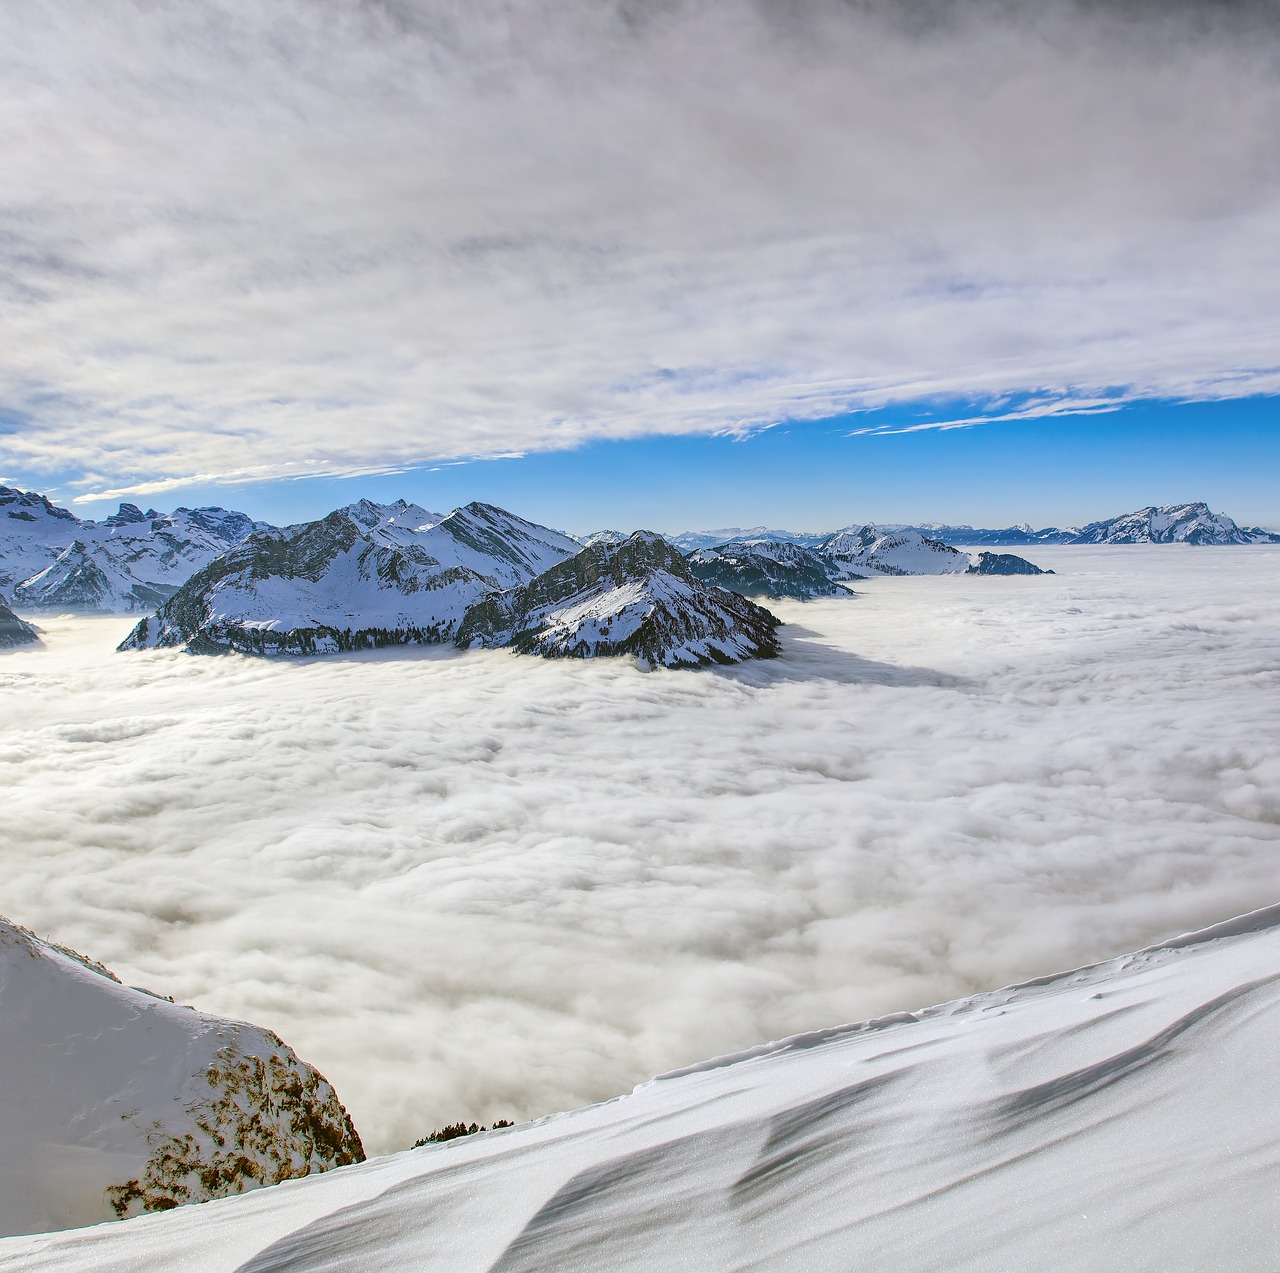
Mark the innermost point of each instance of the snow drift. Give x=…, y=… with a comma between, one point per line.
x=1117, y=1116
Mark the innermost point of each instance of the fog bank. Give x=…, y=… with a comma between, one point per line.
x=479, y=885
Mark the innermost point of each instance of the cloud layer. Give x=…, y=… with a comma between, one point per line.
x=243, y=242
x=488, y=886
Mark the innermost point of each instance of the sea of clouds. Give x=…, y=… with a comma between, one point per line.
x=482, y=885
x=244, y=241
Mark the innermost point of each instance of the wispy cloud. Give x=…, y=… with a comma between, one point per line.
x=327, y=237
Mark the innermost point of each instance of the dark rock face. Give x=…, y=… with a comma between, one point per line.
x=13, y=631
x=1004, y=564
x=767, y=568
x=638, y=598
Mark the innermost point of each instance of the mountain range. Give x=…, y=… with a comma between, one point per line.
x=53, y=560
x=1166, y=524
x=119, y=1102
x=375, y=574
x=371, y=575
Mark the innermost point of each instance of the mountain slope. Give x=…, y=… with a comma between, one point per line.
x=366, y=575
x=766, y=567
x=1118, y=1116
x=638, y=597
x=117, y=1102
x=13, y=631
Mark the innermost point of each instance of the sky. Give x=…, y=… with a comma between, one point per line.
x=250, y=254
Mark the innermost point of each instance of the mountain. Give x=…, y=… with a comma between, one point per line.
x=13, y=631
x=119, y=1102
x=988, y=563
x=1120, y=1116
x=130, y=560
x=1172, y=524
x=365, y=575
x=860, y=551
x=766, y=567
x=690, y=540
x=638, y=597
x=33, y=532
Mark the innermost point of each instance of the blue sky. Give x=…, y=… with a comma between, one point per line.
x=1050, y=471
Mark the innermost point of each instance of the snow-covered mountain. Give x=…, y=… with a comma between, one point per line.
x=638, y=597
x=118, y=1102
x=690, y=540
x=13, y=631
x=1172, y=524
x=861, y=551
x=1120, y=1116
x=768, y=568
x=366, y=575
x=127, y=562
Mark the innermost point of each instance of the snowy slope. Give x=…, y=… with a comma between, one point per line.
x=867, y=550
x=637, y=597
x=766, y=567
x=1118, y=1116
x=13, y=631
x=366, y=575
x=118, y=1102
x=129, y=561
x=33, y=532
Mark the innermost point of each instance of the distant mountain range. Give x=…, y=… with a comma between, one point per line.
x=384, y=574
x=1167, y=524
x=52, y=560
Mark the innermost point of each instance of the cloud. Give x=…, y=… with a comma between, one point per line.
x=489, y=886
x=334, y=236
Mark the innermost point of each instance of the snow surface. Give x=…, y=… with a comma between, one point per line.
x=1118, y=1116
x=102, y=1081
x=465, y=884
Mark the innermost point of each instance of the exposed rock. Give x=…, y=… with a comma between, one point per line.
x=14, y=631
x=987, y=563
x=120, y=1102
x=638, y=597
